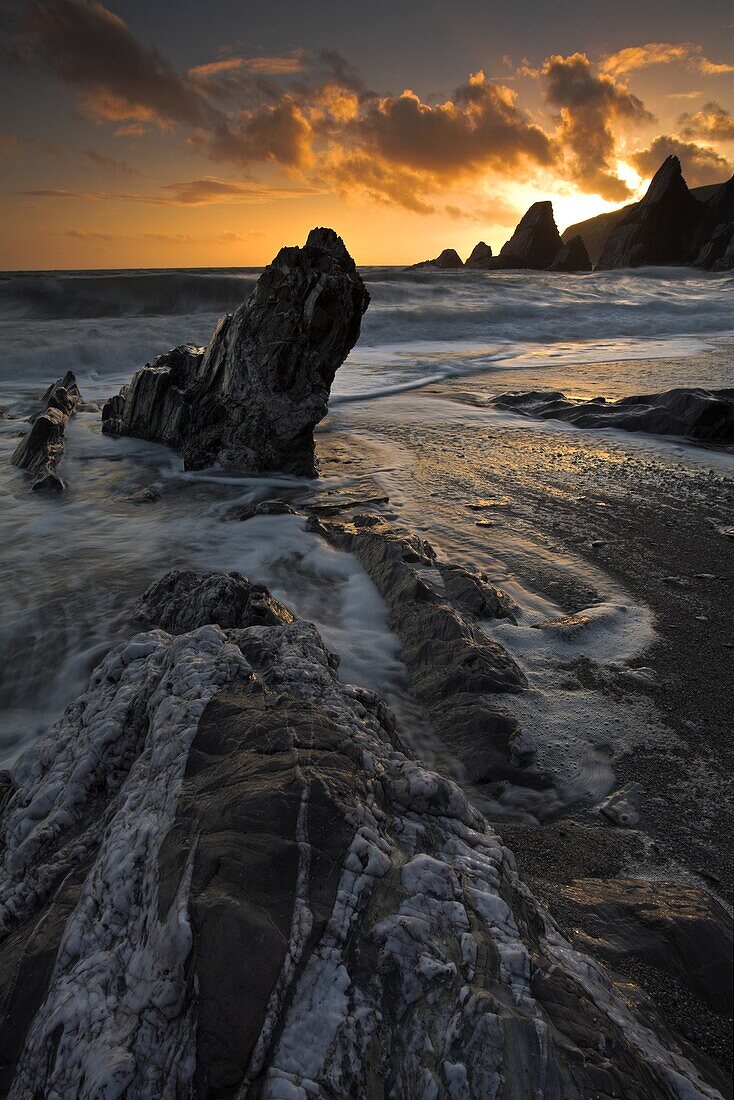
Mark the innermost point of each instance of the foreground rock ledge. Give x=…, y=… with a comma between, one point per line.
x=251, y=399
x=222, y=875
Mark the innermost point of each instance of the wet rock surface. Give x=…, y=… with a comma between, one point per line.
x=42, y=447
x=232, y=851
x=251, y=399
x=707, y=415
x=183, y=600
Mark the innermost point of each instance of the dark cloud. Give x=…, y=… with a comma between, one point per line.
x=712, y=123
x=203, y=192
x=109, y=164
x=591, y=108
x=700, y=165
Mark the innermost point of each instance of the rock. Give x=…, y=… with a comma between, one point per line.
x=706, y=415
x=661, y=229
x=251, y=399
x=714, y=243
x=148, y=495
x=112, y=413
x=717, y=253
x=230, y=852
x=472, y=591
x=535, y=243
x=595, y=231
x=622, y=807
x=42, y=447
x=183, y=600
x=242, y=512
x=572, y=257
x=448, y=260
x=481, y=257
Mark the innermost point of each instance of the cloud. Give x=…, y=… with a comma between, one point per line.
x=700, y=165
x=109, y=164
x=591, y=108
x=166, y=238
x=712, y=123
x=683, y=95
x=269, y=66
x=203, y=192
x=662, y=53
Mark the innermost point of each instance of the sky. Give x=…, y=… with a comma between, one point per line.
x=179, y=134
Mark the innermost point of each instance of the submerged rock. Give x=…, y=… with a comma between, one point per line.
x=252, y=398
x=661, y=229
x=481, y=257
x=622, y=807
x=572, y=257
x=535, y=243
x=42, y=447
x=446, y=261
x=223, y=875
x=706, y=415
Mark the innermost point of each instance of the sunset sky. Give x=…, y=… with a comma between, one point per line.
x=167, y=134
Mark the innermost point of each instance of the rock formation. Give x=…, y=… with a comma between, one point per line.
x=446, y=261
x=535, y=242
x=42, y=447
x=572, y=257
x=707, y=415
x=661, y=229
x=252, y=398
x=715, y=244
x=481, y=257
x=222, y=874
x=595, y=231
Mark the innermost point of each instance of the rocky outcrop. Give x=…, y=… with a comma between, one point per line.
x=223, y=875
x=715, y=245
x=183, y=600
x=42, y=447
x=456, y=670
x=448, y=260
x=706, y=415
x=572, y=257
x=596, y=231
x=535, y=242
x=252, y=398
x=662, y=229
x=481, y=257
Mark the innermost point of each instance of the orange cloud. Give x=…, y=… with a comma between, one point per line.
x=700, y=165
x=662, y=53
x=591, y=108
x=204, y=192
x=712, y=123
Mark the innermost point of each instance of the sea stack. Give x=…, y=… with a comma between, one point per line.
x=445, y=261
x=572, y=256
x=661, y=229
x=481, y=257
x=42, y=447
x=535, y=243
x=251, y=400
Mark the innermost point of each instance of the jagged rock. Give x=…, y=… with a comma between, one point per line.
x=572, y=257
x=455, y=669
x=223, y=875
x=622, y=807
x=446, y=261
x=481, y=257
x=707, y=415
x=717, y=253
x=535, y=242
x=183, y=600
x=595, y=231
x=661, y=229
x=252, y=398
x=242, y=512
x=42, y=447
x=112, y=413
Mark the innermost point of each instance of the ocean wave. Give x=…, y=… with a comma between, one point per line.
x=69, y=295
